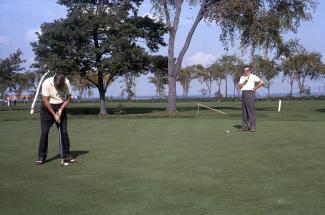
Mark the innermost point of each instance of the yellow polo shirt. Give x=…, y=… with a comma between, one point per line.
x=56, y=97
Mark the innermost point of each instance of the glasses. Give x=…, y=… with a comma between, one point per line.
x=247, y=70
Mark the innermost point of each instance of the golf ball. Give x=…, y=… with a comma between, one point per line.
x=227, y=131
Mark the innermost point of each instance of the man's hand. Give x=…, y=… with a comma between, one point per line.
x=59, y=112
x=57, y=118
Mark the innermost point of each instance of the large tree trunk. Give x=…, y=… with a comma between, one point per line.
x=102, y=92
x=209, y=87
x=171, y=106
x=173, y=68
x=226, y=87
x=103, y=110
x=301, y=85
x=187, y=87
x=184, y=91
x=291, y=85
x=171, y=94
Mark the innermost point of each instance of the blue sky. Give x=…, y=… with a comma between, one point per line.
x=19, y=19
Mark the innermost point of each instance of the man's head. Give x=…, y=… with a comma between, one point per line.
x=247, y=70
x=59, y=81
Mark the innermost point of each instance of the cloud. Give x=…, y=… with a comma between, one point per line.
x=3, y=39
x=30, y=35
x=200, y=58
x=152, y=16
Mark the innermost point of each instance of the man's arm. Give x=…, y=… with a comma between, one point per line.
x=65, y=103
x=241, y=85
x=259, y=84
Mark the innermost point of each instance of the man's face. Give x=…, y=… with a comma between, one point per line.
x=59, y=86
x=247, y=71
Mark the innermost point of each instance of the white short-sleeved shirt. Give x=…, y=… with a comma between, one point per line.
x=56, y=97
x=252, y=79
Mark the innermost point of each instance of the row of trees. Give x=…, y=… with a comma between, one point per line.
x=106, y=39
x=297, y=65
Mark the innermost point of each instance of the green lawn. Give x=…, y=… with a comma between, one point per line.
x=150, y=162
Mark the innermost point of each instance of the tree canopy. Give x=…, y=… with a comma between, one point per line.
x=257, y=24
x=100, y=40
x=9, y=68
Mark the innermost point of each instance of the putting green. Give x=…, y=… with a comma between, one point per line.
x=156, y=163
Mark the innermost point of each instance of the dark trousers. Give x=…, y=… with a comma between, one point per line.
x=47, y=120
x=248, y=109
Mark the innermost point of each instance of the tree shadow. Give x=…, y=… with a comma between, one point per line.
x=144, y=110
x=148, y=110
x=85, y=110
x=76, y=154
x=321, y=110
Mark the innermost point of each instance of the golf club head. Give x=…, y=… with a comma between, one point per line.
x=32, y=111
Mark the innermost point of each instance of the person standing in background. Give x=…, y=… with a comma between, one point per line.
x=248, y=84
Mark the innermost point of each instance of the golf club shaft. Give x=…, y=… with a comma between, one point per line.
x=60, y=141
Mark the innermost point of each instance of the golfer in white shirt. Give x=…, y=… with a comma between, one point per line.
x=248, y=84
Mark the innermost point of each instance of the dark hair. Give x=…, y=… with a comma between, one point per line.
x=59, y=80
x=247, y=66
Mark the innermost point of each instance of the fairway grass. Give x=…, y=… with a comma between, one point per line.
x=155, y=163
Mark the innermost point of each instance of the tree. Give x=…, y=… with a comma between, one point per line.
x=259, y=23
x=185, y=76
x=266, y=69
x=81, y=85
x=8, y=71
x=230, y=65
x=286, y=54
x=25, y=82
x=218, y=75
x=159, y=68
x=130, y=84
x=205, y=76
x=98, y=40
x=307, y=64
x=236, y=74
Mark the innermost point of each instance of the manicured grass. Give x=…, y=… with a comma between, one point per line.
x=150, y=162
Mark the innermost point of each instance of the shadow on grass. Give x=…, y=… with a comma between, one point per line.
x=76, y=154
x=148, y=110
x=238, y=126
x=133, y=110
x=321, y=110
x=85, y=110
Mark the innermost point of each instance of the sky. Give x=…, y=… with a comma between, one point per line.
x=20, y=19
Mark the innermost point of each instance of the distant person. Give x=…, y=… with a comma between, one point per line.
x=56, y=96
x=8, y=101
x=248, y=84
x=14, y=100
x=25, y=99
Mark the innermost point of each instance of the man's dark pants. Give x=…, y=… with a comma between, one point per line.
x=248, y=109
x=47, y=120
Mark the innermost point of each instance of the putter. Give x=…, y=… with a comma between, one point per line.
x=61, y=147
